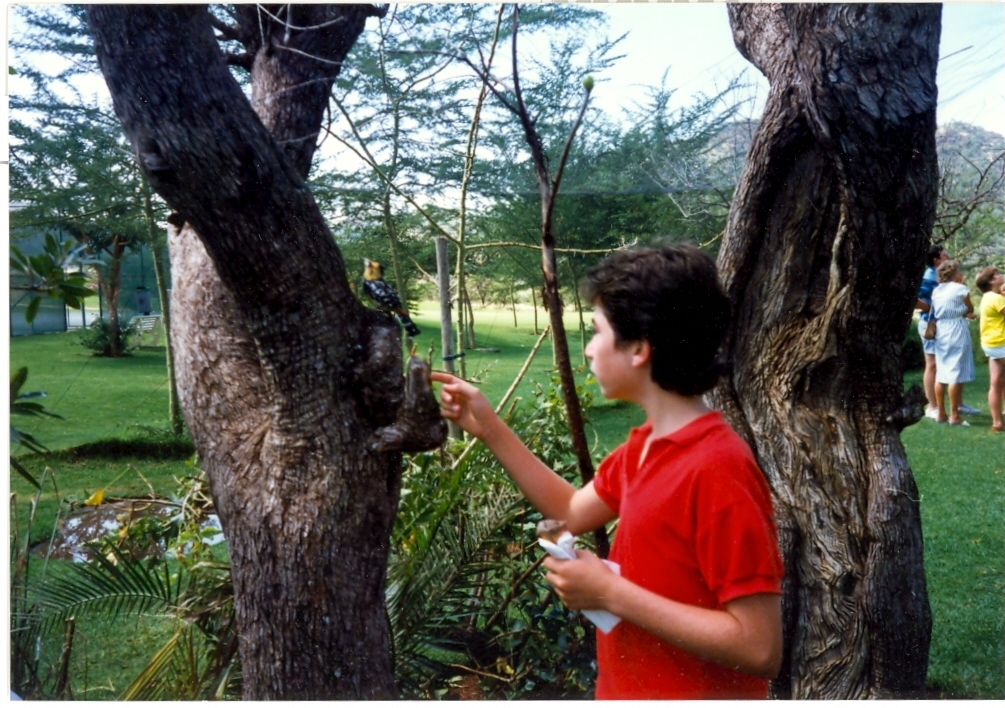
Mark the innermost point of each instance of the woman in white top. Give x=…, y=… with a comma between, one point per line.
x=954, y=355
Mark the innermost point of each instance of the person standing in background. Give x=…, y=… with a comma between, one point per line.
x=989, y=282
x=954, y=354
x=929, y=281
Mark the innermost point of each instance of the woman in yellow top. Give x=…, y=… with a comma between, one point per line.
x=989, y=282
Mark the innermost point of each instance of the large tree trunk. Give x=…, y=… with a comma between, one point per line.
x=822, y=257
x=284, y=377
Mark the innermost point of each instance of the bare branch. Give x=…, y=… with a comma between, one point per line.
x=533, y=139
x=537, y=247
x=229, y=32
x=309, y=55
x=472, y=144
x=290, y=26
x=568, y=143
x=428, y=276
x=243, y=60
x=364, y=154
x=953, y=214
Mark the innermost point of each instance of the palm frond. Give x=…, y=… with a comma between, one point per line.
x=428, y=595
x=187, y=667
x=152, y=683
x=125, y=584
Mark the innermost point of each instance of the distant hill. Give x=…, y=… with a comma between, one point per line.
x=970, y=141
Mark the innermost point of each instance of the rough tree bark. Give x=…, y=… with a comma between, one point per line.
x=291, y=388
x=822, y=257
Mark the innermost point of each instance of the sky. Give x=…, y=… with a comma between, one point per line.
x=692, y=43
x=695, y=42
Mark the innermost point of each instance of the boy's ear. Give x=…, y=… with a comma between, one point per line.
x=642, y=353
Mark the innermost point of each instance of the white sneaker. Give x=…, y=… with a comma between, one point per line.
x=932, y=413
x=967, y=410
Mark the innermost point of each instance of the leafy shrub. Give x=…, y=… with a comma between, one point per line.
x=98, y=337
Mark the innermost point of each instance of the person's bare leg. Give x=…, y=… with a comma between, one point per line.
x=929, y=380
x=996, y=392
x=940, y=401
x=955, y=399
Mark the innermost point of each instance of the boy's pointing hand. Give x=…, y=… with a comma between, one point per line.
x=583, y=584
x=465, y=405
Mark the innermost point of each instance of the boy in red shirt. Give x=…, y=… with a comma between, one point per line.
x=700, y=583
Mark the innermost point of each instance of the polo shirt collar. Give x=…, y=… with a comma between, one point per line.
x=683, y=436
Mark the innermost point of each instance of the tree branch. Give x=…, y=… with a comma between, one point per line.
x=369, y=160
x=243, y=60
x=537, y=247
x=533, y=139
x=228, y=31
x=565, y=152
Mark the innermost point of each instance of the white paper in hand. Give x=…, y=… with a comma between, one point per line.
x=562, y=550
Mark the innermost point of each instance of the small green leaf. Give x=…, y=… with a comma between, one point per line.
x=40, y=264
x=29, y=314
x=17, y=380
x=12, y=71
x=76, y=290
x=25, y=473
x=17, y=259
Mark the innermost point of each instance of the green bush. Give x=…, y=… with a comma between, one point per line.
x=98, y=337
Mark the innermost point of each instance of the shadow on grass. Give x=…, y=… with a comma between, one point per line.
x=168, y=448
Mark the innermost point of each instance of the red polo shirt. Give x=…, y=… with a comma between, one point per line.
x=696, y=526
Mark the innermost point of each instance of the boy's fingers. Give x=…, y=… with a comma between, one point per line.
x=552, y=563
x=442, y=377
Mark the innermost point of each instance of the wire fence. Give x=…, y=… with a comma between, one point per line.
x=138, y=295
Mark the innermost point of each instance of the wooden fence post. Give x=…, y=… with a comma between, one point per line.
x=446, y=324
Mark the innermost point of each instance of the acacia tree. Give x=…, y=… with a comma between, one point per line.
x=821, y=259
x=74, y=174
x=969, y=211
x=292, y=390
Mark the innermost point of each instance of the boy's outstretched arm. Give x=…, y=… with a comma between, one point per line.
x=582, y=510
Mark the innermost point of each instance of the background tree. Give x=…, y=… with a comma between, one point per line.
x=55, y=105
x=404, y=109
x=289, y=384
x=970, y=212
x=75, y=175
x=822, y=256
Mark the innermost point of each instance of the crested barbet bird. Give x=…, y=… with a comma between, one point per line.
x=380, y=291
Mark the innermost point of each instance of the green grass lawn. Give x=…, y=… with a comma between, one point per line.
x=98, y=397
x=960, y=474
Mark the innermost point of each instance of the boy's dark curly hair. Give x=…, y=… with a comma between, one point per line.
x=670, y=296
